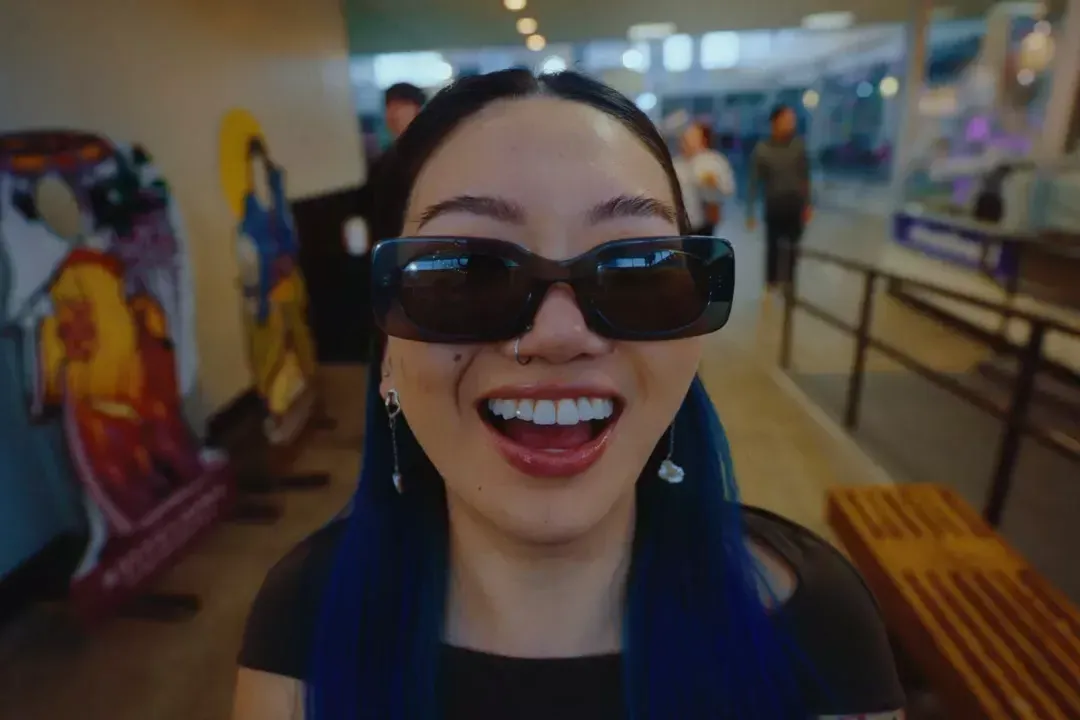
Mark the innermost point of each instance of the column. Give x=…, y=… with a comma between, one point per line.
x=916, y=35
x=1064, y=83
x=1052, y=141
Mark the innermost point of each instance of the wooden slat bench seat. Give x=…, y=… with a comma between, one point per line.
x=994, y=638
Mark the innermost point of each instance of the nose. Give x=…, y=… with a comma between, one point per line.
x=559, y=333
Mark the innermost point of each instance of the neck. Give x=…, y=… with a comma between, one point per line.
x=525, y=599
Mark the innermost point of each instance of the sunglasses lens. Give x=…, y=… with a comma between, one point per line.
x=652, y=292
x=465, y=295
x=656, y=292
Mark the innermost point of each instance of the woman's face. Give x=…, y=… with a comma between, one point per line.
x=547, y=165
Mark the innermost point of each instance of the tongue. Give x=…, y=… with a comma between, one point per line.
x=547, y=437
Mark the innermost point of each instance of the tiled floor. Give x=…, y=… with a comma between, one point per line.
x=785, y=457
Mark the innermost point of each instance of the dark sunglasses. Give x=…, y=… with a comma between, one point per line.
x=467, y=290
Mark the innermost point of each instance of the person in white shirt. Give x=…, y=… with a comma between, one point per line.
x=706, y=179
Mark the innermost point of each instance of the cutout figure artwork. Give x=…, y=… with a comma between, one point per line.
x=104, y=321
x=281, y=348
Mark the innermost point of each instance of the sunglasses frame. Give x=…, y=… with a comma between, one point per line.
x=391, y=257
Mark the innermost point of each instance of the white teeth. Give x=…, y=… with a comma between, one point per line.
x=543, y=412
x=524, y=410
x=566, y=411
x=584, y=410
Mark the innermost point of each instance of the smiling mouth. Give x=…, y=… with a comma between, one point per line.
x=551, y=425
x=557, y=437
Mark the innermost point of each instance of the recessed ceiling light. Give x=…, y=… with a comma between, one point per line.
x=553, y=64
x=526, y=26
x=829, y=21
x=650, y=31
x=514, y=5
x=536, y=43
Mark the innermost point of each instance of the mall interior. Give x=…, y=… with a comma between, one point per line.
x=170, y=427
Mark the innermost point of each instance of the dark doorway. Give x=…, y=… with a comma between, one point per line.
x=337, y=280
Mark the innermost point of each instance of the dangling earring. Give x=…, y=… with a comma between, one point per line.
x=393, y=409
x=670, y=472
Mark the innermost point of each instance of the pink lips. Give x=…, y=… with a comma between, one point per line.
x=547, y=464
x=542, y=463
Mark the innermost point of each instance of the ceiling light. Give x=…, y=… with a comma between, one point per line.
x=553, y=64
x=514, y=5
x=650, y=31
x=864, y=89
x=646, y=101
x=634, y=59
x=678, y=53
x=1036, y=51
x=443, y=72
x=888, y=86
x=829, y=21
x=526, y=26
x=810, y=99
x=536, y=43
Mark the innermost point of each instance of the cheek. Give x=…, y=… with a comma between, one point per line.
x=663, y=372
x=427, y=378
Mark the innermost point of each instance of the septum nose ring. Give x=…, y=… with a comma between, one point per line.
x=517, y=353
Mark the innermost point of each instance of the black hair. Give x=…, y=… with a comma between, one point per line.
x=779, y=110
x=257, y=149
x=404, y=92
x=698, y=641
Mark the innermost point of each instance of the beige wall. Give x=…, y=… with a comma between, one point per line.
x=163, y=73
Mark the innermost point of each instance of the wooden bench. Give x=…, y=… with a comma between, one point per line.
x=994, y=638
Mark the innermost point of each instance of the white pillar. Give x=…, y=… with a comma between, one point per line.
x=916, y=35
x=1064, y=83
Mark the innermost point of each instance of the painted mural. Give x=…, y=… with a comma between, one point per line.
x=101, y=315
x=275, y=301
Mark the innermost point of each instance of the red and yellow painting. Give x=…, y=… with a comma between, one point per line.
x=106, y=326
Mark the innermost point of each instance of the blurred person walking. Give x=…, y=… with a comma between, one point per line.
x=402, y=103
x=705, y=177
x=779, y=164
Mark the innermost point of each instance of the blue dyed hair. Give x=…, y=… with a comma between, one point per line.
x=697, y=639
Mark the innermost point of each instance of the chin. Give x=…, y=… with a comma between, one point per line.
x=552, y=511
x=560, y=518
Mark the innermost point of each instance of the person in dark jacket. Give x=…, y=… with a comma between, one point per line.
x=403, y=102
x=780, y=166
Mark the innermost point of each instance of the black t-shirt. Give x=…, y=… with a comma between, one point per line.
x=831, y=612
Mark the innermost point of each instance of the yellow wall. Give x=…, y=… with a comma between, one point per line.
x=163, y=73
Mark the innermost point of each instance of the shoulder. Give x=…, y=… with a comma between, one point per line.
x=281, y=624
x=834, y=620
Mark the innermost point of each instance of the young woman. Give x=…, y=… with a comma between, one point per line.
x=546, y=523
x=706, y=179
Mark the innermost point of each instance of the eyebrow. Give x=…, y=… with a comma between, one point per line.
x=622, y=206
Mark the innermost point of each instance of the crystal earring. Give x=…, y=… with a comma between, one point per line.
x=393, y=409
x=670, y=472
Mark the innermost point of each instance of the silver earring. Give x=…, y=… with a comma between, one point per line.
x=393, y=409
x=670, y=472
x=517, y=353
